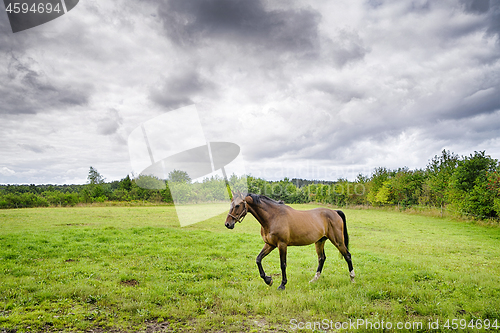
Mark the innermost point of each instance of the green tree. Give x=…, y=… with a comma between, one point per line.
x=383, y=196
x=406, y=186
x=469, y=191
x=439, y=172
x=150, y=182
x=95, y=189
x=494, y=188
x=126, y=183
x=379, y=179
x=179, y=176
x=94, y=177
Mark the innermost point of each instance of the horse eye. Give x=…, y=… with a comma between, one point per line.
x=237, y=206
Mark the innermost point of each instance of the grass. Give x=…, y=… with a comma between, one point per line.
x=129, y=269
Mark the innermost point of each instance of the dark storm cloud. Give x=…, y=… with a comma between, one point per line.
x=476, y=6
x=26, y=89
x=494, y=20
x=30, y=82
x=190, y=22
x=475, y=132
x=481, y=102
x=444, y=106
x=488, y=8
x=180, y=89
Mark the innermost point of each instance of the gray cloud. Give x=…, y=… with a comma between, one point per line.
x=180, y=89
x=242, y=22
x=463, y=137
x=348, y=47
x=490, y=10
x=481, y=101
x=110, y=123
x=476, y=6
x=342, y=92
x=26, y=89
x=494, y=20
x=35, y=148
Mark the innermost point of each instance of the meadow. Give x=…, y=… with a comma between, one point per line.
x=134, y=269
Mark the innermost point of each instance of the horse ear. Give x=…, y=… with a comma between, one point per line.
x=239, y=193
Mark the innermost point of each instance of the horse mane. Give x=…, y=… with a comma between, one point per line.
x=258, y=198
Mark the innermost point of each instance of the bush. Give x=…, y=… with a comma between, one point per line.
x=23, y=200
x=57, y=198
x=470, y=189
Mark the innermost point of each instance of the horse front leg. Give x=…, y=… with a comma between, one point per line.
x=320, y=250
x=265, y=251
x=282, y=248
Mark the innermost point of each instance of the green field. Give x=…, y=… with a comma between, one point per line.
x=134, y=269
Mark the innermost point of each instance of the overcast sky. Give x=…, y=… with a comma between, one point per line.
x=310, y=89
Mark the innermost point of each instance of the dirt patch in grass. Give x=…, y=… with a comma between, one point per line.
x=130, y=283
x=73, y=224
x=157, y=328
x=7, y=330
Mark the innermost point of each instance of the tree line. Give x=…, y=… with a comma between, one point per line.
x=469, y=185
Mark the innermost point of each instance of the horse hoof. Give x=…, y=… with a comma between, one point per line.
x=268, y=280
x=281, y=287
x=315, y=278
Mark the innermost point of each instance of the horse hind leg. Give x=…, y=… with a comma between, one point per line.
x=339, y=237
x=320, y=250
x=347, y=256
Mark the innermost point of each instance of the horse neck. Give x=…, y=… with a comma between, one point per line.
x=260, y=212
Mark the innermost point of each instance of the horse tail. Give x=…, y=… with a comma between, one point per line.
x=346, y=235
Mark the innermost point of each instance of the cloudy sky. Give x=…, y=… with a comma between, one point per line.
x=310, y=89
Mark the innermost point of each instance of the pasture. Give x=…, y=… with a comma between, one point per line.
x=134, y=269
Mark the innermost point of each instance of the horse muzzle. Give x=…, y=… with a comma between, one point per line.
x=230, y=225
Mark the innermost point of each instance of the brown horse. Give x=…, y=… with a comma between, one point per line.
x=283, y=226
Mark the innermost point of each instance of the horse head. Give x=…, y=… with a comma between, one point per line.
x=237, y=210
